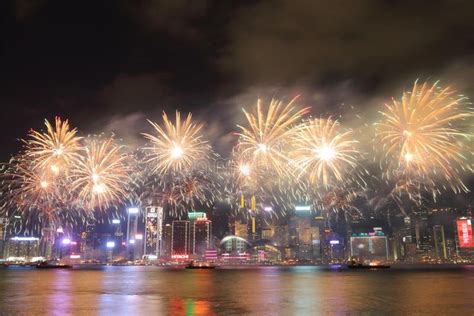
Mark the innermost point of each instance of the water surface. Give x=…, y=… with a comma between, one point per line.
x=299, y=290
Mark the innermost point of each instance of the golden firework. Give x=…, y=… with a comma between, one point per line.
x=55, y=150
x=323, y=152
x=176, y=146
x=101, y=175
x=422, y=136
x=262, y=143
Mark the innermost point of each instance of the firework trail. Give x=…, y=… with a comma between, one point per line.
x=176, y=147
x=262, y=143
x=422, y=138
x=323, y=153
x=101, y=175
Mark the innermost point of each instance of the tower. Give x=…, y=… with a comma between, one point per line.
x=180, y=239
x=153, y=232
x=132, y=226
x=439, y=242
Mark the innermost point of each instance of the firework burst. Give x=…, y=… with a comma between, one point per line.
x=262, y=143
x=324, y=153
x=422, y=137
x=55, y=150
x=176, y=147
x=37, y=196
x=101, y=175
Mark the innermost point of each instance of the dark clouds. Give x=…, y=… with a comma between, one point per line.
x=293, y=42
x=108, y=65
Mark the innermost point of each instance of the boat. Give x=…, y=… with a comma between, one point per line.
x=199, y=265
x=371, y=265
x=49, y=265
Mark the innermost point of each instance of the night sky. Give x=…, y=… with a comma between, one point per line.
x=109, y=65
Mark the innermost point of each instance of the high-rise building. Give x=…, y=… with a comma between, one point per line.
x=370, y=246
x=201, y=236
x=303, y=236
x=3, y=236
x=180, y=239
x=90, y=242
x=439, y=242
x=133, y=245
x=424, y=236
x=23, y=248
x=241, y=229
x=464, y=237
x=167, y=237
x=47, y=242
x=153, y=232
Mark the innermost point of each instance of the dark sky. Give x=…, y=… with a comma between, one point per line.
x=109, y=65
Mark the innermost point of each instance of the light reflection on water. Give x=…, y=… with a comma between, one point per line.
x=264, y=290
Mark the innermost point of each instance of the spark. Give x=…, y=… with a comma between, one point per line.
x=422, y=137
x=176, y=147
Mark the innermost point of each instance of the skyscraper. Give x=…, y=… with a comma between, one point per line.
x=132, y=227
x=167, y=236
x=23, y=248
x=180, y=239
x=201, y=236
x=3, y=235
x=47, y=242
x=153, y=232
x=369, y=246
x=439, y=242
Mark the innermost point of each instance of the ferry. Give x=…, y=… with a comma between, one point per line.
x=199, y=265
x=371, y=265
x=52, y=265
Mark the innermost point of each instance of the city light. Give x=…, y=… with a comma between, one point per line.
x=300, y=208
x=110, y=244
x=25, y=238
x=132, y=210
x=138, y=237
x=66, y=241
x=115, y=221
x=334, y=242
x=75, y=256
x=196, y=215
x=180, y=257
x=131, y=241
x=268, y=209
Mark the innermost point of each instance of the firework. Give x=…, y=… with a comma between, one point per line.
x=176, y=147
x=324, y=153
x=422, y=137
x=55, y=150
x=36, y=195
x=262, y=144
x=101, y=175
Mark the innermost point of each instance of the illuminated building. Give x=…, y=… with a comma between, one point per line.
x=370, y=246
x=241, y=229
x=167, y=236
x=464, y=237
x=302, y=234
x=153, y=232
x=234, y=244
x=3, y=236
x=210, y=255
x=23, y=248
x=180, y=239
x=46, y=242
x=424, y=236
x=439, y=242
x=132, y=228
x=90, y=241
x=200, y=236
